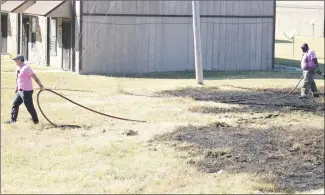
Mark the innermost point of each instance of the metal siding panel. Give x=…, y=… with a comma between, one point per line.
x=125, y=6
x=165, y=7
x=270, y=46
x=111, y=44
x=169, y=47
x=203, y=7
x=228, y=44
x=103, y=49
x=222, y=45
x=100, y=46
x=236, y=45
x=241, y=45
x=254, y=8
x=184, y=44
x=164, y=48
x=216, y=8
x=146, y=43
x=204, y=36
x=152, y=43
x=253, y=42
x=265, y=35
x=223, y=7
x=132, y=45
x=133, y=7
x=210, y=42
x=172, y=7
x=118, y=46
x=84, y=38
x=126, y=62
x=229, y=8
x=139, y=41
x=158, y=44
x=190, y=45
x=90, y=51
x=235, y=6
x=216, y=44
x=268, y=8
x=178, y=6
x=98, y=6
x=139, y=7
x=241, y=7
x=259, y=41
x=230, y=39
x=118, y=7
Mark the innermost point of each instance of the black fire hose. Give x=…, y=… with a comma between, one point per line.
x=115, y=117
x=291, y=90
x=76, y=126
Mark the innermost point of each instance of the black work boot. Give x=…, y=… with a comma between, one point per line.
x=315, y=95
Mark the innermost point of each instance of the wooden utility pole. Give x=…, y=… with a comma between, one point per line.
x=197, y=41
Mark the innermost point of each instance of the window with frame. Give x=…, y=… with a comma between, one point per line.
x=53, y=36
x=33, y=32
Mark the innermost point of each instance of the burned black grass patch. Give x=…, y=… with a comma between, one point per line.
x=292, y=156
x=254, y=99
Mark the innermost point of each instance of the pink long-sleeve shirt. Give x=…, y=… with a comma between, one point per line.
x=307, y=60
x=24, y=78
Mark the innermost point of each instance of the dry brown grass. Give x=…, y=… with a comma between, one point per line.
x=167, y=155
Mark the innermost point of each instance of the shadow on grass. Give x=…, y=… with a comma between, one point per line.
x=290, y=157
x=210, y=75
x=282, y=41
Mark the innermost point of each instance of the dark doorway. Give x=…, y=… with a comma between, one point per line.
x=4, y=32
x=66, y=44
x=25, y=37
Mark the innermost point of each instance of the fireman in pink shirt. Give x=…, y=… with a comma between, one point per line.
x=309, y=65
x=24, y=90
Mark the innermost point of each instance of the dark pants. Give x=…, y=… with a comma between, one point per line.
x=27, y=98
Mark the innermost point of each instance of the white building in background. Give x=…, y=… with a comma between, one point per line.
x=299, y=16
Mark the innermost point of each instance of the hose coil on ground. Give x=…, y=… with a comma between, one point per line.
x=76, y=126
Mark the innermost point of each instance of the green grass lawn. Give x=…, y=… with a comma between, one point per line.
x=228, y=136
x=284, y=50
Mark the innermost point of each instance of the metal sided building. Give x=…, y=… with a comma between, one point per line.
x=299, y=16
x=157, y=36
x=144, y=36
